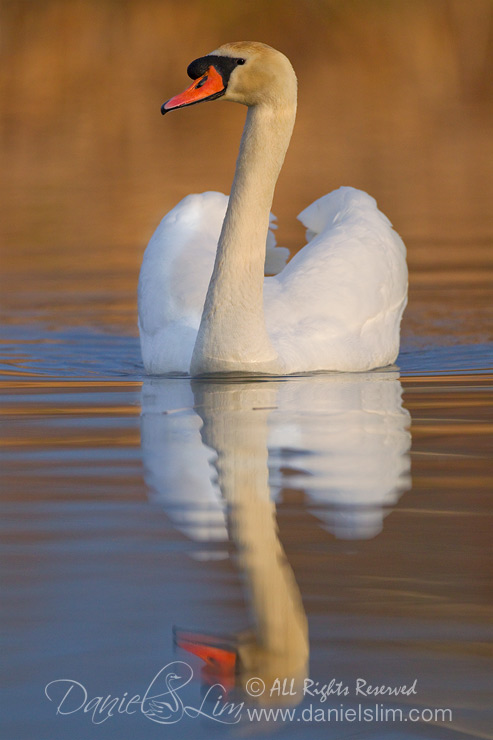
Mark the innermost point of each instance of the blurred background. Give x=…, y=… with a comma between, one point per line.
x=395, y=97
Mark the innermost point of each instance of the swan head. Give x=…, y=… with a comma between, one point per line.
x=246, y=72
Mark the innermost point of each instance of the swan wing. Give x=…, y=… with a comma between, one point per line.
x=174, y=277
x=338, y=304
x=173, y=281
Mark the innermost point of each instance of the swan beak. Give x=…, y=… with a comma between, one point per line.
x=217, y=654
x=208, y=87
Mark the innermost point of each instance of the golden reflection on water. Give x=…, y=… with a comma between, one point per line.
x=235, y=425
x=340, y=441
x=395, y=98
x=410, y=600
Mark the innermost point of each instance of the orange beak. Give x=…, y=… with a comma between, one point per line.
x=208, y=87
x=217, y=654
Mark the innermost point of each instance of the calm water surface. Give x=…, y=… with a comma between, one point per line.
x=322, y=528
x=325, y=527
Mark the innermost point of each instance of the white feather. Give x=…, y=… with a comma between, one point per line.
x=337, y=305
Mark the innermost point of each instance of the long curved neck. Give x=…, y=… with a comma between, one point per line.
x=232, y=334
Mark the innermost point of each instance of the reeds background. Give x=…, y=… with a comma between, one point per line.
x=395, y=97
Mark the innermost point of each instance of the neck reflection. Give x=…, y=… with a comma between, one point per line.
x=341, y=440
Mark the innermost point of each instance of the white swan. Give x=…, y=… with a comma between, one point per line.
x=204, y=304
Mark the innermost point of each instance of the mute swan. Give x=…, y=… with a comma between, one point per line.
x=204, y=304
x=215, y=458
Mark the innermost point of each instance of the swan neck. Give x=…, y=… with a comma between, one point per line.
x=264, y=143
x=232, y=334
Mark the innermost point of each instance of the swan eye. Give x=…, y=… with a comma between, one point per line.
x=240, y=61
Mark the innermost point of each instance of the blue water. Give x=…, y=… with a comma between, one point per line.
x=327, y=528
x=84, y=353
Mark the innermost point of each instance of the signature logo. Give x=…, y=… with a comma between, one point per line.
x=161, y=702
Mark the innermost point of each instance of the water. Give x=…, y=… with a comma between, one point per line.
x=327, y=528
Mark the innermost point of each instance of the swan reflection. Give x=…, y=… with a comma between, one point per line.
x=216, y=457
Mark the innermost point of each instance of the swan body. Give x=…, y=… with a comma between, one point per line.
x=174, y=277
x=205, y=306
